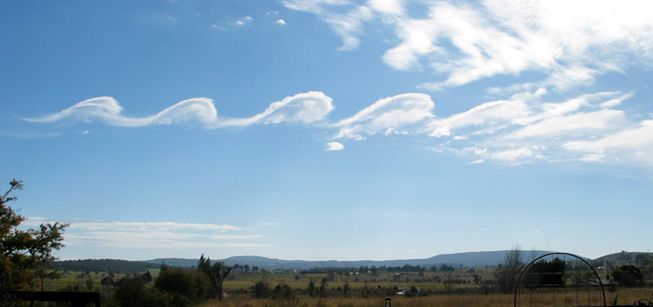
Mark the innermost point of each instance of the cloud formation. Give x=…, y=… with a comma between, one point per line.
x=567, y=41
x=564, y=45
x=243, y=21
x=634, y=144
x=349, y=25
x=303, y=108
x=527, y=128
x=335, y=146
x=522, y=128
x=109, y=111
x=155, y=235
x=390, y=115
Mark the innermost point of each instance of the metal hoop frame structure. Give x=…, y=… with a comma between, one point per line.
x=521, y=275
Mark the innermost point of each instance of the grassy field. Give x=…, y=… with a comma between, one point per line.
x=462, y=287
x=427, y=281
x=620, y=297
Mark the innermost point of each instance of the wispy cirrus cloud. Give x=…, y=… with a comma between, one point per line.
x=631, y=145
x=527, y=128
x=156, y=235
x=570, y=42
x=345, y=18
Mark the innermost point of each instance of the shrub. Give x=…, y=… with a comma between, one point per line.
x=184, y=285
x=628, y=276
x=261, y=289
x=283, y=291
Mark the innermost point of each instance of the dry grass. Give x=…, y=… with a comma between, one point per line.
x=620, y=296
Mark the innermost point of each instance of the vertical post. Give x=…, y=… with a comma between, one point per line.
x=388, y=302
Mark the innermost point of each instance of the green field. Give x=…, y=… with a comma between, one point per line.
x=461, y=287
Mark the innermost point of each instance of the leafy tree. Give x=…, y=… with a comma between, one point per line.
x=131, y=292
x=628, y=276
x=24, y=252
x=185, y=285
x=446, y=268
x=147, y=277
x=546, y=273
x=89, y=283
x=283, y=291
x=261, y=289
x=217, y=273
x=346, y=289
x=323, y=287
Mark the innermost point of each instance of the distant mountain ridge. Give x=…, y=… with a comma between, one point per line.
x=468, y=259
x=622, y=257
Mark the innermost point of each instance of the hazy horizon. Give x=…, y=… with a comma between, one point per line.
x=320, y=130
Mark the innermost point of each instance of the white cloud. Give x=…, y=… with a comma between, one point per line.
x=633, y=144
x=109, y=111
x=388, y=7
x=575, y=123
x=243, y=21
x=510, y=155
x=155, y=235
x=390, y=115
x=280, y=22
x=335, y=146
x=522, y=128
x=571, y=43
x=495, y=115
x=527, y=128
x=348, y=25
x=139, y=226
x=562, y=45
x=218, y=28
x=151, y=240
x=305, y=108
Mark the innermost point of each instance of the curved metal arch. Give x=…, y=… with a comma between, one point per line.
x=529, y=265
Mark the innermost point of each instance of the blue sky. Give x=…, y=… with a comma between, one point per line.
x=330, y=129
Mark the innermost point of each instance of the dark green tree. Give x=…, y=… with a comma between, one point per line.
x=185, y=286
x=24, y=253
x=217, y=273
x=628, y=276
x=323, y=287
x=261, y=289
x=312, y=289
x=283, y=291
x=131, y=292
x=346, y=289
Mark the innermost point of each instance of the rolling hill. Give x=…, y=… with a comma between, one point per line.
x=469, y=259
